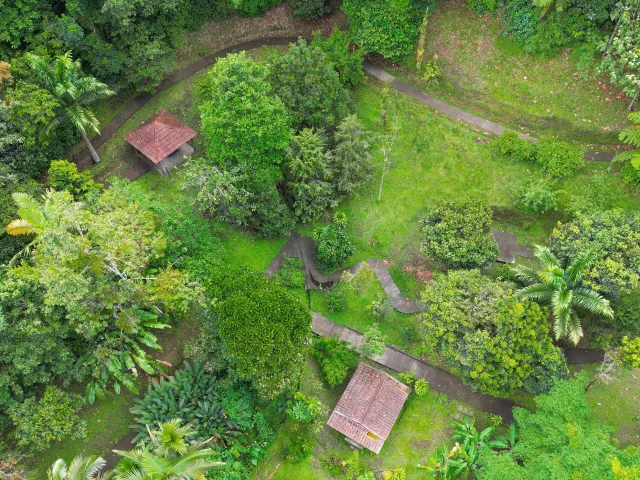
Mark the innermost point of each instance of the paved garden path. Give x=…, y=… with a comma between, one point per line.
x=457, y=113
x=83, y=158
x=440, y=380
x=304, y=248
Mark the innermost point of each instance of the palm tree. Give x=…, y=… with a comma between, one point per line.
x=65, y=81
x=36, y=217
x=168, y=456
x=81, y=468
x=559, y=284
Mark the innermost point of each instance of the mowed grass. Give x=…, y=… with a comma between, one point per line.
x=435, y=158
x=422, y=426
x=490, y=74
x=616, y=403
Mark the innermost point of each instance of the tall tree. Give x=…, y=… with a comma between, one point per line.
x=558, y=283
x=74, y=92
x=81, y=468
x=168, y=456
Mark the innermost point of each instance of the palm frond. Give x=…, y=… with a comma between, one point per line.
x=538, y=293
x=545, y=257
x=579, y=263
x=560, y=324
x=526, y=275
x=42, y=70
x=552, y=276
x=574, y=329
x=19, y=227
x=58, y=470
x=592, y=301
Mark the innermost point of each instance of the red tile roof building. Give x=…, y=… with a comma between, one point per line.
x=160, y=136
x=369, y=407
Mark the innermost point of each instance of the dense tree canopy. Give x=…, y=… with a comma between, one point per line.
x=265, y=328
x=562, y=440
x=493, y=341
x=310, y=87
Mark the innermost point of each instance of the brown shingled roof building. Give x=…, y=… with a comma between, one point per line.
x=369, y=407
x=162, y=140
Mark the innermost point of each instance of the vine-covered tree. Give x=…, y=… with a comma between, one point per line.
x=265, y=328
x=622, y=52
x=74, y=93
x=560, y=439
x=559, y=284
x=92, y=264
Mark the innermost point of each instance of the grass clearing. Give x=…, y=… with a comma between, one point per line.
x=490, y=74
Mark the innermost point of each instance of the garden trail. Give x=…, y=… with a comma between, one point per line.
x=83, y=158
x=399, y=361
x=303, y=248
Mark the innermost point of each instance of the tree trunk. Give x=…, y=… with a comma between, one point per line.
x=92, y=151
x=633, y=100
x=612, y=36
x=384, y=167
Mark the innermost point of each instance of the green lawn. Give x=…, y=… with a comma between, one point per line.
x=616, y=403
x=489, y=74
x=435, y=158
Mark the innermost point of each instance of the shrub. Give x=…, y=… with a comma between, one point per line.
x=486, y=336
x=337, y=298
x=373, y=344
x=389, y=27
x=335, y=358
x=290, y=273
x=630, y=352
x=307, y=410
x=347, y=62
x=408, y=378
x=308, y=9
x=333, y=247
x=614, y=236
x=64, y=175
x=409, y=333
x=421, y=387
x=380, y=307
x=514, y=148
x=309, y=86
x=535, y=196
x=558, y=159
x=192, y=396
x=458, y=234
x=39, y=423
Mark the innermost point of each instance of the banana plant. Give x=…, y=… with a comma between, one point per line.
x=120, y=355
x=471, y=440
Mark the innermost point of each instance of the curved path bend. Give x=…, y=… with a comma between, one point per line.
x=304, y=248
x=83, y=158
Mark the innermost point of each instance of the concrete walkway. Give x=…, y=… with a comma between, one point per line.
x=83, y=158
x=440, y=380
x=457, y=113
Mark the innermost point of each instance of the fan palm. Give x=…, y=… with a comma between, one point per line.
x=559, y=284
x=168, y=456
x=65, y=81
x=81, y=468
